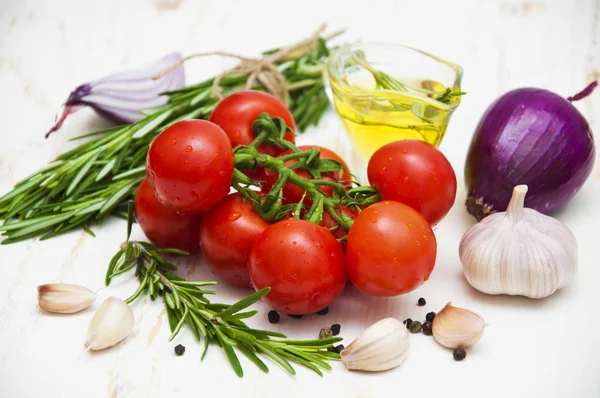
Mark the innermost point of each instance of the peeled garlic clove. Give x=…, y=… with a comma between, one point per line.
x=382, y=346
x=112, y=323
x=455, y=327
x=519, y=252
x=64, y=298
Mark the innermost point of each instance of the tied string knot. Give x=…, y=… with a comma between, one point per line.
x=264, y=69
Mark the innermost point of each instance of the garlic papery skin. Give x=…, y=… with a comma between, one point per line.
x=519, y=252
x=64, y=298
x=455, y=327
x=382, y=346
x=112, y=323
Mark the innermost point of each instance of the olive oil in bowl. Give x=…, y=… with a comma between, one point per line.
x=381, y=100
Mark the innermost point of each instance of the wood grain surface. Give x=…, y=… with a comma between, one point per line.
x=546, y=348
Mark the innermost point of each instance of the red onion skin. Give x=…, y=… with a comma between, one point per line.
x=528, y=136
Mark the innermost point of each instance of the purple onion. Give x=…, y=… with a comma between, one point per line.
x=532, y=137
x=122, y=97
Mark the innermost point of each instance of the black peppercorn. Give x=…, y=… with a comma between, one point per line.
x=295, y=316
x=430, y=316
x=459, y=354
x=427, y=328
x=324, y=311
x=337, y=348
x=179, y=349
x=273, y=316
x=335, y=329
x=407, y=322
x=422, y=302
x=415, y=327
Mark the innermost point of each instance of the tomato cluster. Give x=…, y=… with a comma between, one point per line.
x=307, y=256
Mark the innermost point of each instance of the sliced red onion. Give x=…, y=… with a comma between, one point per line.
x=532, y=137
x=122, y=96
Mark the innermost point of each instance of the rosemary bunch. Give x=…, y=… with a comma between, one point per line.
x=186, y=304
x=87, y=184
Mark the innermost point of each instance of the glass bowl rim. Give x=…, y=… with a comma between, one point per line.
x=333, y=74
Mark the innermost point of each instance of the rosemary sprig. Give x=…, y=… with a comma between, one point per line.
x=186, y=304
x=87, y=184
x=447, y=95
x=388, y=82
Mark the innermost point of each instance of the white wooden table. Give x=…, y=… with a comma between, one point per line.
x=548, y=348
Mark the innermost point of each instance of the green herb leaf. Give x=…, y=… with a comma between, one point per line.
x=245, y=302
x=179, y=325
x=277, y=358
x=130, y=217
x=235, y=362
x=252, y=356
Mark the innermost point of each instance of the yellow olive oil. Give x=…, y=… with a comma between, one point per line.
x=374, y=117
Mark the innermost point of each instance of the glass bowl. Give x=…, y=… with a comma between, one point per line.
x=425, y=95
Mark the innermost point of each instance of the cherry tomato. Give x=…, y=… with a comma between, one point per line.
x=190, y=166
x=414, y=173
x=293, y=193
x=227, y=233
x=162, y=226
x=391, y=250
x=301, y=262
x=236, y=113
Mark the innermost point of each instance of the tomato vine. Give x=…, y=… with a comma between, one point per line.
x=269, y=205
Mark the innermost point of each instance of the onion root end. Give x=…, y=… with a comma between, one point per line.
x=478, y=208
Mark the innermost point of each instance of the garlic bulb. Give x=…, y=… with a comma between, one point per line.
x=382, y=346
x=519, y=252
x=455, y=327
x=112, y=323
x=64, y=298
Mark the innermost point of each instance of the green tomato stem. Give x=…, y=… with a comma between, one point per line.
x=259, y=139
x=345, y=223
x=295, y=155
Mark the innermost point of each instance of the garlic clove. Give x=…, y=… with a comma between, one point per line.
x=112, y=323
x=455, y=327
x=382, y=346
x=519, y=252
x=64, y=298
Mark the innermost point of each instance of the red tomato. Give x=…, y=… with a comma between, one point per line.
x=301, y=262
x=391, y=250
x=227, y=234
x=162, y=226
x=293, y=193
x=190, y=166
x=236, y=113
x=414, y=173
